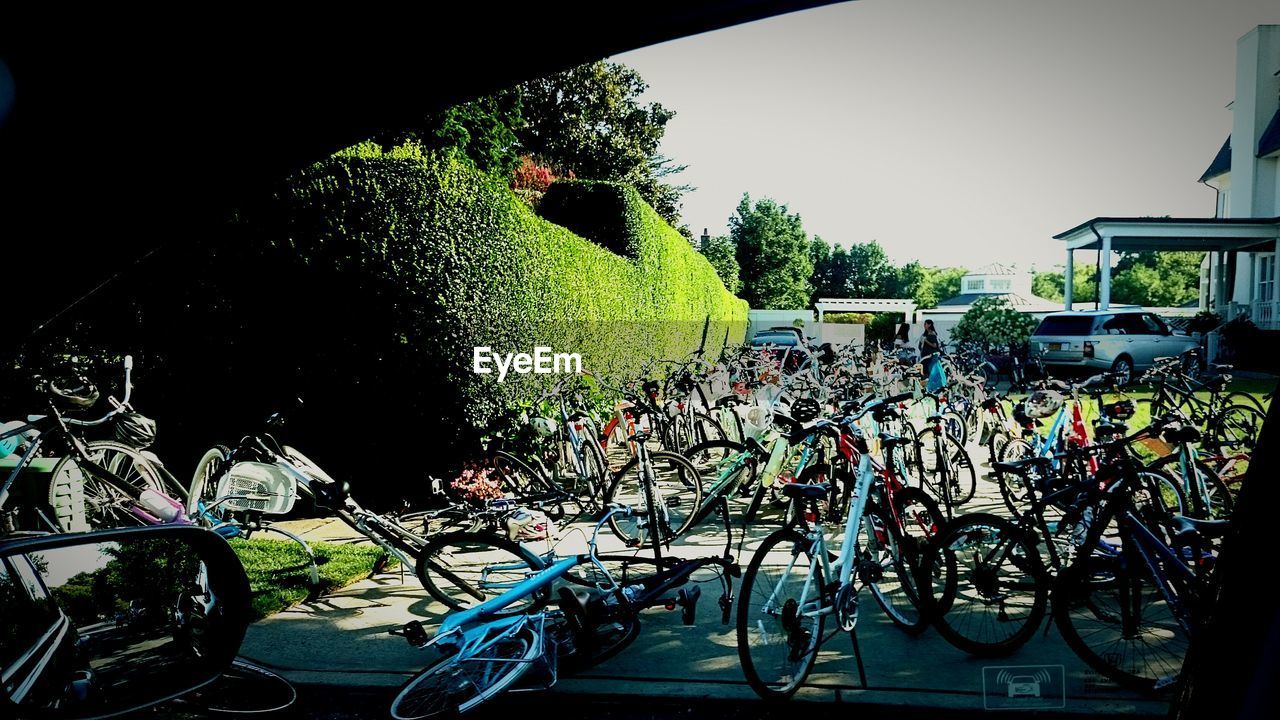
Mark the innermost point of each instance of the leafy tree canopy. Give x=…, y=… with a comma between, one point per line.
x=589, y=121
x=721, y=253
x=773, y=255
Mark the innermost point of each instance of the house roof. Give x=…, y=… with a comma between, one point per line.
x=1019, y=302
x=995, y=268
x=1270, y=140
x=1221, y=164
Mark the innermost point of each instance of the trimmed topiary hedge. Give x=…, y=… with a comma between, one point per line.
x=363, y=286
x=476, y=267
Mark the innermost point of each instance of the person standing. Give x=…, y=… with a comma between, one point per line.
x=930, y=348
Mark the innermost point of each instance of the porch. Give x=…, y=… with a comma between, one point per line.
x=1242, y=252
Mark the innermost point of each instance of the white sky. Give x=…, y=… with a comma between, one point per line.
x=956, y=132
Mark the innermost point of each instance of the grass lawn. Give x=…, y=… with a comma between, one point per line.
x=280, y=577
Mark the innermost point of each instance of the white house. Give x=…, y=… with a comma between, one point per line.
x=1006, y=281
x=1242, y=240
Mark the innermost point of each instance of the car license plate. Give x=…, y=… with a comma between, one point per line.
x=1055, y=346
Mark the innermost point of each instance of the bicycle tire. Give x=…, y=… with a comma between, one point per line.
x=1220, y=502
x=1088, y=617
x=98, y=504
x=1244, y=398
x=245, y=688
x=952, y=598
x=892, y=574
x=518, y=476
x=679, y=486
x=1237, y=427
x=436, y=690
x=959, y=469
x=802, y=643
x=463, y=569
x=203, y=488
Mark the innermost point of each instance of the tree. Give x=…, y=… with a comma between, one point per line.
x=588, y=121
x=721, y=253
x=1049, y=285
x=1157, y=278
x=832, y=267
x=991, y=321
x=483, y=130
x=773, y=255
x=870, y=273
x=926, y=286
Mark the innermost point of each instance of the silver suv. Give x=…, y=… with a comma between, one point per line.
x=1122, y=341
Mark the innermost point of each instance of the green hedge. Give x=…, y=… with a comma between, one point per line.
x=476, y=267
x=361, y=285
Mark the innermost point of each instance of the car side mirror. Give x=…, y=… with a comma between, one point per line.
x=100, y=624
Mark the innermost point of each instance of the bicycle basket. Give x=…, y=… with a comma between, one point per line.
x=756, y=421
x=257, y=487
x=135, y=430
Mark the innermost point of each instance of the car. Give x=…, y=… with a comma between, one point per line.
x=1121, y=341
x=1024, y=686
x=786, y=344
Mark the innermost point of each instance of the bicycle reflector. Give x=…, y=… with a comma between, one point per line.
x=257, y=487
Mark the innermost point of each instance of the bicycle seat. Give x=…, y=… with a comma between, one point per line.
x=1019, y=466
x=1181, y=434
x=934, y=419
x=893, y=440
x=728, y=401
x=807, y=491
x=640, y=437
x=1185, y=526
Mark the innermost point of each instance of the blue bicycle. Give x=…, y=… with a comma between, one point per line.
x=486, y=649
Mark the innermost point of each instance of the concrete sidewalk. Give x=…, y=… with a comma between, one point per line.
x=342, y=639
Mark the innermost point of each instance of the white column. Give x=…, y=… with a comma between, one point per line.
x=1068, y=279
x=1104, y=275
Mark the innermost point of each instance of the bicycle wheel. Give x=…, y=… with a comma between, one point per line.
x=97, y=503
x=203, y=490
x=244, y=688
x=463, y=569
x=1216, y=502
x=1015, y=488
x=677, y=495
x=455, y=685
x=517, y=476
x=1111, y=612
x=722, y=468
x=779, y=626
x=1237, y=428
x=956, y=427
x=945, y=468
x=994, y=599
x=889, y=570
x=1243, y=398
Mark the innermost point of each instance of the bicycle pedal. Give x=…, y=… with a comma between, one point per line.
x=413, y=632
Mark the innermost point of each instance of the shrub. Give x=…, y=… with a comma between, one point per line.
x=992, y=322
x=363, y=285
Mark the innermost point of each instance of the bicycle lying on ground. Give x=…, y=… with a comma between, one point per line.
x=487, y=649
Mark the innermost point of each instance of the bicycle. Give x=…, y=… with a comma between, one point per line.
x=90, y=487
x=792, y=585
x=486, y=649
